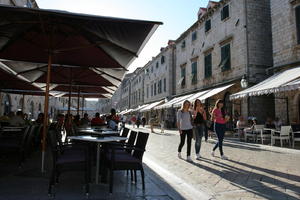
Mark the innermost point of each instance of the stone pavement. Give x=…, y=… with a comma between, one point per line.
x=28, y=183
x=253, y=171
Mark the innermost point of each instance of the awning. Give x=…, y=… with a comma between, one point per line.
x=170, y=103
x=214, y=91
x=139, y=108
x=281, y=81
x=152, y=105
x=127, y=111
x=203, y=94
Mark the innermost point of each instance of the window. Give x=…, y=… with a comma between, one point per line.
x=157, y=65
x=182, y=77
x=159, y=86
x=183, y=44
x=139, y=94
x=151, y=69
x=165, y=85
x=207, y=25
x=147, y=91
x=207, y=66
x=225, y=57
x=147, y=71
x=225, y=12
x=162, y=60
x=194, y=36
x=298, y=23
x=154, y=89
x=194, y=72
x=151, y=90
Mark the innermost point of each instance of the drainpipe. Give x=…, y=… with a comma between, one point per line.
x=247, y=50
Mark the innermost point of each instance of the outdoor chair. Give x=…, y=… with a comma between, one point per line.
x=67, y=158
x=252, y=133
x=16, y=143
x=283, y=134
x=114, y=160
x=295, y=134
x=263, y=134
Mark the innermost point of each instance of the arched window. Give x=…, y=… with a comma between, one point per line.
x=228, y=109
x=31, y=114
x=20, y=105
x=7, y=104
x=40, y=108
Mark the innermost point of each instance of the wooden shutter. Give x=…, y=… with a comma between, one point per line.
x=298, y=23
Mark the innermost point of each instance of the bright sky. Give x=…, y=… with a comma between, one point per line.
x=177, y=16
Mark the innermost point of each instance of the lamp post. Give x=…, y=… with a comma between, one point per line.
x=244, y=81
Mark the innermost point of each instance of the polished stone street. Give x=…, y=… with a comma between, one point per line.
x=253, y=171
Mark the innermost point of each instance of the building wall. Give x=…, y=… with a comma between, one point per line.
x=229, y=31
x=284, y=32
x=156, y=71
x=137, y=88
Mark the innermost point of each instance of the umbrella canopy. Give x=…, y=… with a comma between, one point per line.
x=30, y=35
x=64, y=38
x=63, y=75
x=10, y=83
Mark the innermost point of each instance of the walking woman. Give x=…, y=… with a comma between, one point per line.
x=199, y=117
x=184, y=125
x=220, y=119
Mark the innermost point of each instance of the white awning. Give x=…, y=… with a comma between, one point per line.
x=170, y=103
x=127, y=111
x=214, y=91
x=293, y=85
x=203, y=94
x=152, y=105
x=276, y=83
x=139, y=108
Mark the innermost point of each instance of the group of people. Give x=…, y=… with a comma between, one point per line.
x=19, y=119
x=195, y=121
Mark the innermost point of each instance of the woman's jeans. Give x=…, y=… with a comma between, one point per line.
x=220, y=131
x=189, y=134
x=199, y=132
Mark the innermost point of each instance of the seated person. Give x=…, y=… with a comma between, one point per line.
x=240, y=125
x=113, y=120
x=97, y=121
x=85, y=121
x=17, y=120
x=269, y=123
x=277, y=123
x=40, y=119
x=252, y=126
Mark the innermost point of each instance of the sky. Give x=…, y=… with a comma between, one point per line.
x=177, y=16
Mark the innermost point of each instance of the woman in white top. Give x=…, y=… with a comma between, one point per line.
x=185, y=127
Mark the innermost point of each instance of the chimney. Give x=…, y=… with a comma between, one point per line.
x=201, y=12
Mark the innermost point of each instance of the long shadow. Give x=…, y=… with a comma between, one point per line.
x=25, y=183
x=257, y=187
x=246, y=146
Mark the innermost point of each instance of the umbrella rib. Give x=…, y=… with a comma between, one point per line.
x=107, y=74
x=31, y=70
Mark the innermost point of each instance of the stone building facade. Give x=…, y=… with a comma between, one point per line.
x=137, y=88
x=230, y=39
x=21, y=3
x=286, y=54
x=160, y=75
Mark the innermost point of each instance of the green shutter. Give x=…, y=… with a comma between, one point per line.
x=208, y=66
x=225, y=58
x=298, y=23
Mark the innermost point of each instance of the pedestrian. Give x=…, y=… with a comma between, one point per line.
x=138, y=121
x=185, y=127
x=151, y=122
x=220, y=119
x=199, y=117
x=143, y=121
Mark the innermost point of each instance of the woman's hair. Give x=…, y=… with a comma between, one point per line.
x=195, y=103
x=217, y=106
x=185, y=101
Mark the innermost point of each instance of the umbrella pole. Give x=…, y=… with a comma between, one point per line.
x=45, y=126
x=78, y=101
x=23, y=101
x=82, y=105
x=69, y=103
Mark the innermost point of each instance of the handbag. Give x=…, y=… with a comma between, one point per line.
x=208, y=123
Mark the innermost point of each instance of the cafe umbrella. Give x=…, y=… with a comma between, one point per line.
x=65, y=38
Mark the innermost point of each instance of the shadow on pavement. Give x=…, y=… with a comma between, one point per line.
x=266, y=185
x=29, y=183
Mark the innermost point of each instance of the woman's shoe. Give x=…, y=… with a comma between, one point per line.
x=179, y=155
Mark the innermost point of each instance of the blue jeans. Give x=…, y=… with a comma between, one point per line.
x=199, y=132
x=220, y=131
